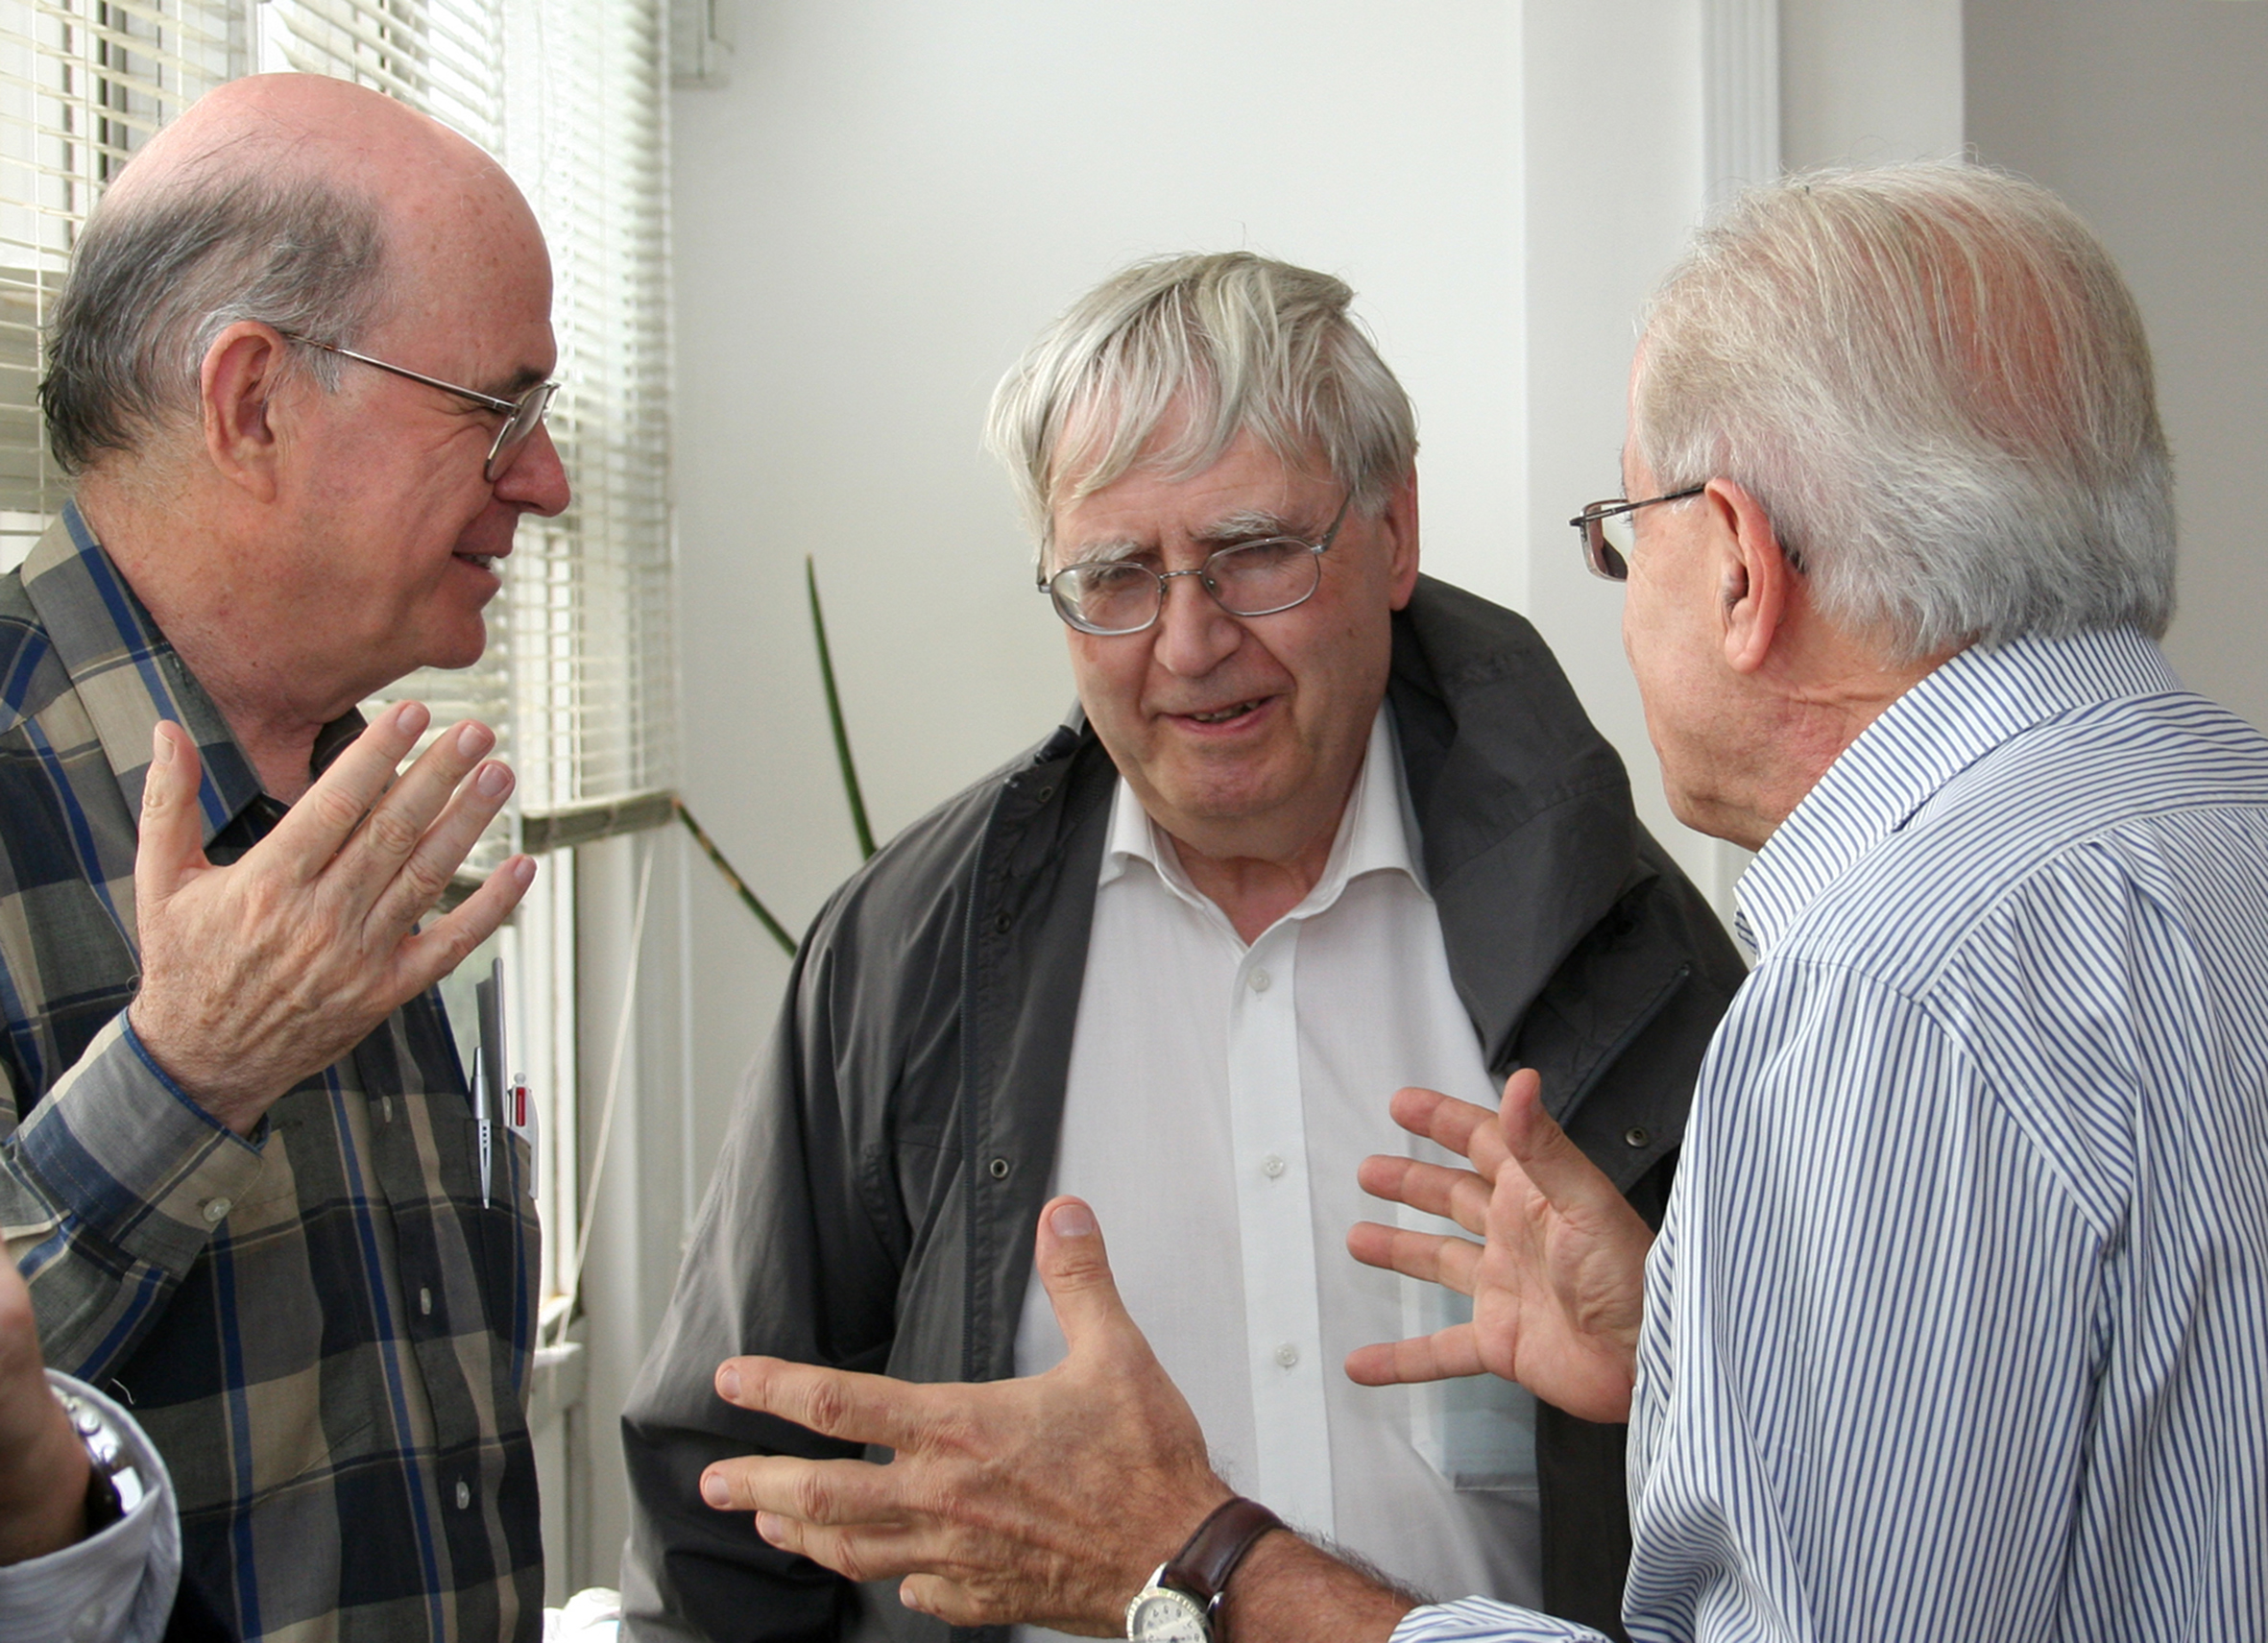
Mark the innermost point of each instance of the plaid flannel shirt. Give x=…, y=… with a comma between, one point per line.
x=320, y=1325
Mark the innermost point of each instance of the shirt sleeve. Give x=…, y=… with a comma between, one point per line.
x=108, y=1191
x=116, y=1586
x=1478, y=1620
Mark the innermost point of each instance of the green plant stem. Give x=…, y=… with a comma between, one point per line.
x=834, y=715
x=740, y=886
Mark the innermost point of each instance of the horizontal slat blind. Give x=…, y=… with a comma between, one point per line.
x=83, y=84
x=579, y=678
x=592, y=593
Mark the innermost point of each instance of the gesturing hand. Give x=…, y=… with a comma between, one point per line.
x=1045, y=1499
x=259, y=973
x=1558, y=1283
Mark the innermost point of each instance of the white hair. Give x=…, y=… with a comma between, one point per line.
x=1936, y=384
x=1215, y=346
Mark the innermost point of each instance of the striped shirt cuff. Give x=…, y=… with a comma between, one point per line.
x=123, y=1152
x=1477, y=1620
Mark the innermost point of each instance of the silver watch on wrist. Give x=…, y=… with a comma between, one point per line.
x=1182, y=1602
x=115, y=1486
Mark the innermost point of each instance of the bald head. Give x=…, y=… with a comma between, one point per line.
x=313, y=206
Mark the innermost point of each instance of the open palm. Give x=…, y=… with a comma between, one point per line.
x=1558, y=1281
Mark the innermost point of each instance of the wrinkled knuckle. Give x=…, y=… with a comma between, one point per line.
x=335, y=808
x=847, y=1558
x=391, y=832
x=826, y=1406
x=809, y=1498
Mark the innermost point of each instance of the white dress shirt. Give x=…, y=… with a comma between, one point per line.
x=1957, y=1325
x=1218, y=1101
x=116, y=1586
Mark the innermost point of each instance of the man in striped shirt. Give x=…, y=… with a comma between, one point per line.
x=1957, y=1323
x=239, y=1169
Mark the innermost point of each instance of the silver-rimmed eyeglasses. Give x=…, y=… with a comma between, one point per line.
x=522, y=416
x=1607, y=531
x=1112, y=597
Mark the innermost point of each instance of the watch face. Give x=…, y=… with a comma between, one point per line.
x=1163, y=1616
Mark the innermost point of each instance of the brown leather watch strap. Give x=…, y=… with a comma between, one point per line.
x=1202, y=1567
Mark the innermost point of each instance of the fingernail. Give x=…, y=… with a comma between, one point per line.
x=523, y=869
x=727, y=1382
x=160, y=744
x=411, y=719
x=772, y=1527
x=1073, y=1220
x=715, y=1489
x=493, y=782
x=473, y=740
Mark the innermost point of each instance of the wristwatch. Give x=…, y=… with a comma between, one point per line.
x=1182, y=1602
x=114, y=1486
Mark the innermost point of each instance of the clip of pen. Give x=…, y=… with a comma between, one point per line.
x=480, y=1114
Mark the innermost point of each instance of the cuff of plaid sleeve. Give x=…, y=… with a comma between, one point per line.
x=122, y=1151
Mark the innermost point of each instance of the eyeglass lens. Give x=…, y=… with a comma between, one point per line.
x=526, y=418
x=1253, y=579
x=1606, y=542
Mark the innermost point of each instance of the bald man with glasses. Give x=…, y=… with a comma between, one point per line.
x=242, y=1177
x=1320, y=828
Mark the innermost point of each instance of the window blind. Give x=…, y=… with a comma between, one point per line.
x=83, y=84
x=579, y=677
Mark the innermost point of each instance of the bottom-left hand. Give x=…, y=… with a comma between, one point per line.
x=1045, y=1499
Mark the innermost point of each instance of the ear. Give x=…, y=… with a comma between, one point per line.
x=236, y=393
x=1400, y=521
x=1755, y=583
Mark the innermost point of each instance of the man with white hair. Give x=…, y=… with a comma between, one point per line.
x=1321, y=827
x=1955, y=1326
x=299, y=370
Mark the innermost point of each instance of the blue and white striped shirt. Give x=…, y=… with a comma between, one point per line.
x=1958, y=1326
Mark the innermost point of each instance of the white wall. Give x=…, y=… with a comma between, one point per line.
x=876, y=212
x=2151, y=116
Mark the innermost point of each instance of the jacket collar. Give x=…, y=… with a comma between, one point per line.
x=1523, y=808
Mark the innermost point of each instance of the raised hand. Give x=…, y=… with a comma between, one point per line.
x=1045, y=1499
x=259, y=973
x=1557, y=1283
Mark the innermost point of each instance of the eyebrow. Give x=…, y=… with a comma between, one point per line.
x=1247, y=524
x=517, y=383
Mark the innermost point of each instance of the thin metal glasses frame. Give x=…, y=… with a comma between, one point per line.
x=1055, y=587
x=522, y=416
x=1601, y=557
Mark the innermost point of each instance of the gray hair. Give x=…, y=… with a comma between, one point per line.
x=1221, y=344
x=153, y=282
x=1936, y=384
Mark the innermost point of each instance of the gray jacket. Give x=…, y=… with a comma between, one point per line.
x=874, y=1204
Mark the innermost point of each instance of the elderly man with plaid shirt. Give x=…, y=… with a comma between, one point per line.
x=239, y=1169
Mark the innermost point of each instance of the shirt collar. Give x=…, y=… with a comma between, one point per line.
x=129, y=677
x=1960, y=711
x=1376, y=833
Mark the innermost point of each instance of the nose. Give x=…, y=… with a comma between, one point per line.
x=536, y=480
x=1195, y=634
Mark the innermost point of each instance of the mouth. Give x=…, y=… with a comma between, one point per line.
x=480, y=560
x=1229, y=714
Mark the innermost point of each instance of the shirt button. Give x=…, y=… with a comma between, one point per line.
x=88, y=1625
x=386, y=1109
x=1636, y=1135
x=1288, y=1355
x=1272, y=1165
x=1258, y=980
x=216, y=1208
x=464, y=1494
x=425, y=1307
